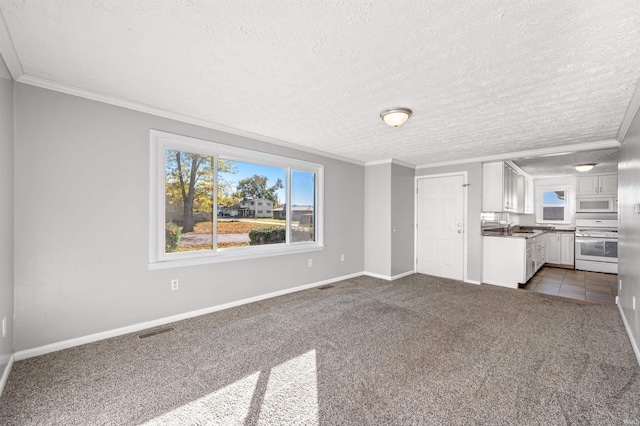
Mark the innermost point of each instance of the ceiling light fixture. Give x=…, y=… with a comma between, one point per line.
x=584, y=167
x=396, y=117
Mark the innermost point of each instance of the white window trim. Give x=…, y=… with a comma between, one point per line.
x=568, y=204
x=160, y=141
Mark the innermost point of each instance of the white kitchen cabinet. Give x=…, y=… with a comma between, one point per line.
x=513, y=187
x=504, y=261
x=567, y=250
x=560, y=248
x=605, y=185
x=530, y=259
x=540, y=248
x=553, y=248
x=525, y=195
x=521, y=192
x=529, y=207
x=510, y=261
x=499, y=187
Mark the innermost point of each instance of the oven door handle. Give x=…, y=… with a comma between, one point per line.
x=595, y=240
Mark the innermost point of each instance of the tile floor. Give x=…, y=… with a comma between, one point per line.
x=592, y=286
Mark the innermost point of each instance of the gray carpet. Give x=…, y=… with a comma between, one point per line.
x=420, y=350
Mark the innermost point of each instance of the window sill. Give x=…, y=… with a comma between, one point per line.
x=230, y=257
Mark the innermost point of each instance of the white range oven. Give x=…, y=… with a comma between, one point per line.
x=597, y=245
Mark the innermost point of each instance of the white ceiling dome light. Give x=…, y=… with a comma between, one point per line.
x=396, y=117
x=584, y=167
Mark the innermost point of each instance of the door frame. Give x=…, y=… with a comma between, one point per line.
x=465, y=180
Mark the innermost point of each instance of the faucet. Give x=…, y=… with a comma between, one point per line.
x=510, y=227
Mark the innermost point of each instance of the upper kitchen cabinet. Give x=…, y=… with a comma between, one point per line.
x=525, y=195
x=605, y=185
x=499, y=187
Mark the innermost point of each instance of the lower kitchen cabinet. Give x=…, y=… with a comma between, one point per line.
x=506, y=261
x=540, y=245
x=568, y=249
x=530, y=258
x=553, y=248
x=510, y=261
x=560, y=248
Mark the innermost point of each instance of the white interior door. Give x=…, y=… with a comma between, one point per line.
x=440, y=220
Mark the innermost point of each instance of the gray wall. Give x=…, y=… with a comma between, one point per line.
x=402, y=219
x=474, y=208
x=388, y=219
x=81, y=247
x=377, y=219
x=629, y=232
x=6, y=213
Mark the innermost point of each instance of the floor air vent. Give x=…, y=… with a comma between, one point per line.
x=325, y=287
x=156, y=332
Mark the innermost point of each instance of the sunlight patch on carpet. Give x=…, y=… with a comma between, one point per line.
x=229, y=405
x=291, y=397
x=292, y=392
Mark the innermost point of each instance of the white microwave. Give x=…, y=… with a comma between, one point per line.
x=596, y=205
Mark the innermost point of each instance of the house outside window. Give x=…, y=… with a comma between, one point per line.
x=191, y=179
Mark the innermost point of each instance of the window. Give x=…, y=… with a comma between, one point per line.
x=201, y=197
x=552, y=204
x=302, y=206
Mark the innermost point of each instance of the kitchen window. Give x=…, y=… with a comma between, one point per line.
x=202, y=198
x=553, y=204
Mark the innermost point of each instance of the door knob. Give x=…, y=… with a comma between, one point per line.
x=459, y=231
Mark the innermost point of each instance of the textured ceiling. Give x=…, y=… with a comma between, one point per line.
x=606, y=161
x=483, y=77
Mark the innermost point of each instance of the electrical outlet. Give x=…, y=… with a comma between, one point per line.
x=342, y=258
x=310, y=263
x=620, y=285
x=4, y=326
x=174, y=284
x=634, y=303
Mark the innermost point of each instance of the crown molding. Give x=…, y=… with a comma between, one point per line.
x=378, y=162
x=148, y=109
x=632, y=110
x=390, y=161
x=8, y=51
x=403, y=163
x=587, y=146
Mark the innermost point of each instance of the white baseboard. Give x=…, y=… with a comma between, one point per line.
x=404, y=274
x=5, y=374
x=388, y=277
x=634, y=344
x=472, y=282
x=65, y=344
x=374, y=275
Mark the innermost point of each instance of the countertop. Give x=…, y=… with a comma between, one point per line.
x=523, y=232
